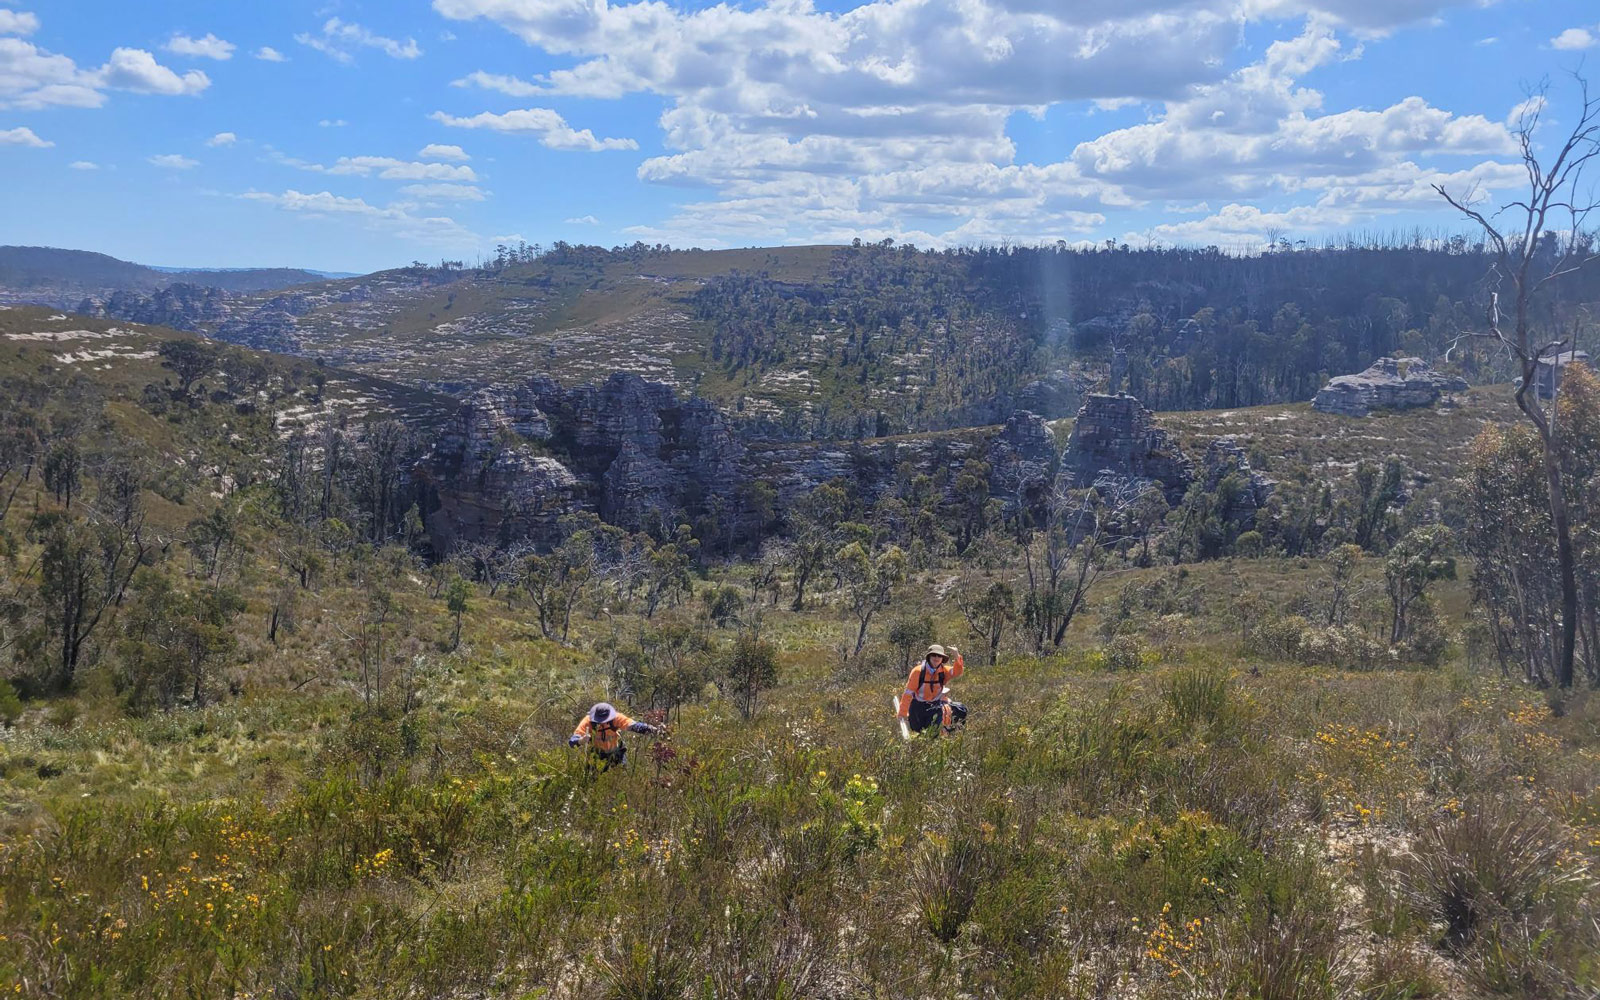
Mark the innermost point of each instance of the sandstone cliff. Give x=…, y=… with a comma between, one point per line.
x=513, y=462
x=1116, y=440
x=1388, y=384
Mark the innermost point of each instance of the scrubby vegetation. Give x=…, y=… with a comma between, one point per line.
x=291, y=756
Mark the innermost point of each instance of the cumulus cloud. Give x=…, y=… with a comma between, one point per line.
x=338, y=38
x=584, y=220
x=395, y=220
x=1574, y=39
x=84, y=165
x=209, y=47
x=222, y=139
x=33, y=78
x=174, y=161
x=22, y=136
x=386, y=168
x=18, y=22
x=269, y=54
x=810, y=124
x=439, y=151
x=552, y=129
x=138, y=71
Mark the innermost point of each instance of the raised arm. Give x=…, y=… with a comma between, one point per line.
x=957, y=664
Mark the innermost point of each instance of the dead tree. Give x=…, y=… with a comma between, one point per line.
x=1531, y=256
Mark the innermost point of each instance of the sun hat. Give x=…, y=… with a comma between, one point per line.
x=601, y=712
x=936, y=650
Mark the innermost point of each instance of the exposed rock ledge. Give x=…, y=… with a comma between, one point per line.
x=1390, y=384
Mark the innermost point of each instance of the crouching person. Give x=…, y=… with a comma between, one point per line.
x=926, y=699
x=602, y=728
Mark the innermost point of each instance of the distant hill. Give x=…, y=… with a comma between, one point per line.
x=194, y=272
x=62, y=278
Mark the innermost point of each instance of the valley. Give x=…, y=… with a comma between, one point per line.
x=298, y=608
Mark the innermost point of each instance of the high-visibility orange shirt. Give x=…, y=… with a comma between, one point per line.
x=928, y=684
x=603, y=736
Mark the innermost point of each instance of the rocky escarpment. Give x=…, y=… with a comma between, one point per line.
x=1115, y=443
x=179, y=306
x=1019, y=460
x=514, y=462
x=1389, y=384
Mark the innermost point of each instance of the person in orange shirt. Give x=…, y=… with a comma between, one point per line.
x=926, y=698
x=602, y=728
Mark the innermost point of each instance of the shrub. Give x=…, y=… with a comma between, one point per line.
x=10, y=704
x=724, y=604
x=945, y=882
x=1396, y=971
x=1489, y=862
x=750, y=667
x=908, y=633
x=1197, y=696
x=1126, y=652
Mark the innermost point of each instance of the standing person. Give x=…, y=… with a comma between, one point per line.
x=926, y=697
x=603, y=727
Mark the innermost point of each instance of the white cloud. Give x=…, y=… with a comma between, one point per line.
x=552, y=129
x=387, y=168
x=222, y=139
x=1369, y=17
x=174, y=161
x=333, y=123
x=18, y=22
x=209, y=47
x=269, y=54
x=510, y=85
x=443, y=192
x=22, y=136
x=138, y=71
x=439, y=151
x=33, y=78
x=1575, y=38
x=806, y=124
x=584, y=220
x=1526, y=110
x=339, y=37
x=394, y=220
x=84, y=165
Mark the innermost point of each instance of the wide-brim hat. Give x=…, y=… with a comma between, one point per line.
x=601, y=712
x=936, y=650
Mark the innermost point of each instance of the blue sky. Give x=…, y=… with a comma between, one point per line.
x=359, y=135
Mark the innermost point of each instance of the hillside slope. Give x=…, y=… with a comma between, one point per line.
x=61, y=278
x=106, y=382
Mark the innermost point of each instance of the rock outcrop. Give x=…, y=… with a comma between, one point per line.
x=1022, y=461
x=1115, y=442
x=1389, y=384
x=1225, y=458
x=489, y=480
x=632, y=452
x=513, y=463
